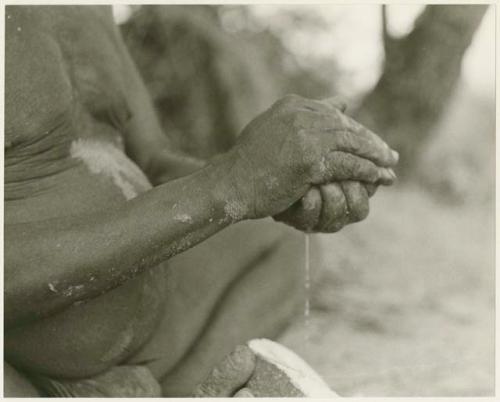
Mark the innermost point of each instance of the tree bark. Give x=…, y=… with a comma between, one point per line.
x=419, y=75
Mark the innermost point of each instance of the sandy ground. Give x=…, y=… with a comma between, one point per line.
x=405, y=302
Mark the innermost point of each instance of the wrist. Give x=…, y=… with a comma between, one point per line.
x=230, y=191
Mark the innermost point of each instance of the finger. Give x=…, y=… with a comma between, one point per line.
x=334, y=212
x=304, y=214
x=387, y=176
x=229, y=375
x=371, y=189
x=244, y=393
x=377, y=142
x=344, y=139
x=339, y=166
x=357, y=200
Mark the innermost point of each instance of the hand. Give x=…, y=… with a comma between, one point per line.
x=299, y=143
x=330, y=207
x=229, y=377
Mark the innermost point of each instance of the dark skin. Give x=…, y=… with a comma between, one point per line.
x=96, y=200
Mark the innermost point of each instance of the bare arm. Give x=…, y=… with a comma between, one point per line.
x=146, y=142
x=54, y=263
x=297, y=143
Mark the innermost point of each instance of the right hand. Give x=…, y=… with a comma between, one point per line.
x=299, y=143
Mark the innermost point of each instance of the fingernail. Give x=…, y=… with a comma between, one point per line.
x=386, y=175
x=395, y=155
x=393, y=175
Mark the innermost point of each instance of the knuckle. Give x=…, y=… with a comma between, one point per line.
x=349, y=140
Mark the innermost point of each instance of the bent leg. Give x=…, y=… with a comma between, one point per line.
x=198, y=279
x=258, y=304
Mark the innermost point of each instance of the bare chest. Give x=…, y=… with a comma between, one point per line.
x=65, y=119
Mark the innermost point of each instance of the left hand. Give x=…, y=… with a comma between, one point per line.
x=229, y=377
x=330, y=207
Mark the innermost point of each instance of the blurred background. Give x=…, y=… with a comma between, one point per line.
x=404, y=304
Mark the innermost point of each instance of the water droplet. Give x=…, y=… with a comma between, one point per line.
x=307, y=289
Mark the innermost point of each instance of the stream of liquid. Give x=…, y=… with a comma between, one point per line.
x=307, y=288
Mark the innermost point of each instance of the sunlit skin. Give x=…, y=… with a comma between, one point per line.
x=96, y=202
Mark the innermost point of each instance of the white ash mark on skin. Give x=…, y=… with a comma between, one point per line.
x=308, y=204
x=181, y=245
x=70, y=290
x=271, y=182
x=52, y=288
x=105, y=158
x=184, y=218
x=234, y=210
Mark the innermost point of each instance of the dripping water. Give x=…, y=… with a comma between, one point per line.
x=307, y=288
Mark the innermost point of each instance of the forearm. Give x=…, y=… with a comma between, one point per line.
x=168, y=165
x=51, y=264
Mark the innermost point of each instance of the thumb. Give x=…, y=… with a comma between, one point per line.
x=229, y=375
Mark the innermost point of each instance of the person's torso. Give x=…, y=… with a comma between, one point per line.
x=64, y=155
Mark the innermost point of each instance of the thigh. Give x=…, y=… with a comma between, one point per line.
x=258, y=304
x=16, y=385
x=197, y=279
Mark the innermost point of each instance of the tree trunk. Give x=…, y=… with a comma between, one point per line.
x=420, y=73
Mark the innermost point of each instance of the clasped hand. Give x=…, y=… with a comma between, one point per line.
x=309, y=165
